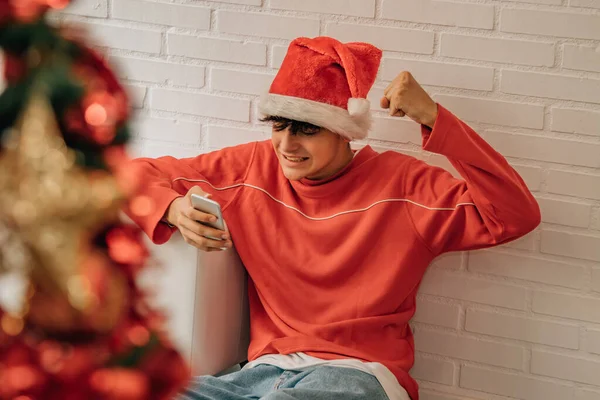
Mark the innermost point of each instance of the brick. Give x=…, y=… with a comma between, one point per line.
x=394, y=129
x=512, y=385
x=494, y=111
x=201, y=104
x=392, y=39
x=464, y=287
x=550, y=85
x=542, y=148
x=539, y=22
x=355, y=8
x=438, y=160
x=223, y=136
x=596, y=280
x=574, y=184
x=434, y=313
x=382, y=149
x=467, y=348
x=449, y=261
x=137, y=95
x=593, y=341
x=441, y=74
x=531, y=175
x=177, y=15
x=574, y=245
x=565, y=212
x=583, y=58
x=160, y=72
x=527, y=268
x=576, y=121
x=523, y=328
x=498, y=50
x=168, y=130
x=431, y=370
x=427, y=395
x=278, y=55
x=567, y=306
x=240, y=81
x=595, y=220
x=440, y=13
x=585, y=3
x=161, y=150
x=561, y=366
x=88, y=8
x=217, y=49
x=272, y=26
x=553, y=2
x=135, y=148
x=526, y=242
x=247, y=2
x=585, y=394
x=145, y=41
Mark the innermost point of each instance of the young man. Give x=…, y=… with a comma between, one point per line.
x=335, y=241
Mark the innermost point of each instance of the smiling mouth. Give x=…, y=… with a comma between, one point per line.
x=295, y=159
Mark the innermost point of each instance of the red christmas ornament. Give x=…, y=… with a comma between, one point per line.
x=20, y=374
x=28, y=10
x=104, y=108
x=125, y=246
x=14, y=68
x=120, y=384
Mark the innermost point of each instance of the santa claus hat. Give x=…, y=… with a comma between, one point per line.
x=325, y=82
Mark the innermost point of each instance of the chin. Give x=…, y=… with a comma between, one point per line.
x=293, y=175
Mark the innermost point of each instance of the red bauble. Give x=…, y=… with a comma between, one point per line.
x=125, y=247
x=104, y=108
x=28, y=10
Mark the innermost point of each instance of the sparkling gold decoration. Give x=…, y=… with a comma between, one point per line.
x=50, y=208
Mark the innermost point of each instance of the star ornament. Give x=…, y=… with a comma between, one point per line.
x=50, y=208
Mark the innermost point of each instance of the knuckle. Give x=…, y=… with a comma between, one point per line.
x=203, y=217
x=196, y=190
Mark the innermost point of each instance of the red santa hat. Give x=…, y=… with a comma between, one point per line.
x=325, y=82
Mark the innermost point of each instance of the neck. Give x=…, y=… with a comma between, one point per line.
x=340, y=162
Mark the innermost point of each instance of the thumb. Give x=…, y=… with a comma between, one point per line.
x=384, y=102
x=197, y=190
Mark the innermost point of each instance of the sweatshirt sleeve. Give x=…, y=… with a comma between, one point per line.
x=166, y=178
x=489, y=206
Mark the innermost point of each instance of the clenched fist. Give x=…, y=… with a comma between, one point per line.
x=404, y=96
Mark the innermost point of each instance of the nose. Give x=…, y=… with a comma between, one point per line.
x=289, y=142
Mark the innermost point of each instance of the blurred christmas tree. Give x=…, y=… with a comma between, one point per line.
x=85, y=330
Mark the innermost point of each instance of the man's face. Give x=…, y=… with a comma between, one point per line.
x=307, y=151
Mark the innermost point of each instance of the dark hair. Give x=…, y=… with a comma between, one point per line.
x=281, y=123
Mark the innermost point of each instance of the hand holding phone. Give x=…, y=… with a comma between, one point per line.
x=203, y=228
x=208, y=206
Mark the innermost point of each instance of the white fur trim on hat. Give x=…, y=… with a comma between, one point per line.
x=352, y=124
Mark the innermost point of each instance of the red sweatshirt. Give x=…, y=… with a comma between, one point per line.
x=335, y=265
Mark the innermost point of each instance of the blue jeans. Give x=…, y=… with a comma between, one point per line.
x=272, y=383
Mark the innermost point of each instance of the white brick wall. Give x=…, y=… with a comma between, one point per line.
x=518, y=322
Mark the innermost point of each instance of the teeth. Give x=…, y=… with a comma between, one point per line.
x=295, y=159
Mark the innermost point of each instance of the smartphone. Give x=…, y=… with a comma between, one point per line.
x=209, y=206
